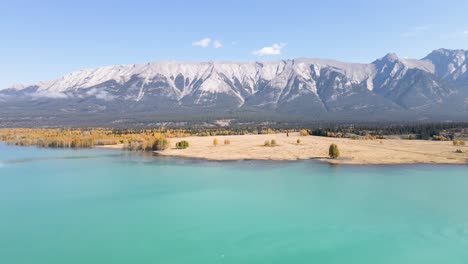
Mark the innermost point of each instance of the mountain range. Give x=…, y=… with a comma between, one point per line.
x=390, y=88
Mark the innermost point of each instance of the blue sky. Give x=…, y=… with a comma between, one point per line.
x=44, y=39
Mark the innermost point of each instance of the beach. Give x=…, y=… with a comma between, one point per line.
x=385, y=151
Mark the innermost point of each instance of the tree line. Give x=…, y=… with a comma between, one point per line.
x=415, y=131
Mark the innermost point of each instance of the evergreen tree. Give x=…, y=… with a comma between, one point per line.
x=333, y=151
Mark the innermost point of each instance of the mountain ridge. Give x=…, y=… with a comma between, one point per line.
x=435, y=86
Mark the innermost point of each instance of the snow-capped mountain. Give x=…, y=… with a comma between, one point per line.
x=309, y=87
x=450, y=65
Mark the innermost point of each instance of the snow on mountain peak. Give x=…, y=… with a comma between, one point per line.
x=178, y=80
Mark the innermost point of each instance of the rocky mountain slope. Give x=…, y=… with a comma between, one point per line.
x=435, y=87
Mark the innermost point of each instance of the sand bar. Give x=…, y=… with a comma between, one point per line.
x=390, y=151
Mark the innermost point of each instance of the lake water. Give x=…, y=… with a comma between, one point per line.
x=108, y=206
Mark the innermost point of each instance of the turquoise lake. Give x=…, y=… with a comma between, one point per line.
x=108, y=206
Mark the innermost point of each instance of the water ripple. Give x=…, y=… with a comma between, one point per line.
x=26, y=160
x=450, y=233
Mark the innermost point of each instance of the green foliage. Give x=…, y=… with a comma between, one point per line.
x=273, y=142
x=304, y=132
x=182, y=144
x=423, y=131
x=333, y=151
x=267, y=143
x=160, y=144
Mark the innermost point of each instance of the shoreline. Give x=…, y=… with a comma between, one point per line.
x=353, y=152
x=321, y=160
x=115, y=146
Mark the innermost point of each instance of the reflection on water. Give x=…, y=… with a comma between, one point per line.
x=24, y=160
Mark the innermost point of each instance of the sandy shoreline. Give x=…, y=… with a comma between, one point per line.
x=250, y=147
x=116, y=146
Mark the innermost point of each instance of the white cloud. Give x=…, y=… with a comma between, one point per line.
x=217, y=44
x=202, y=42
x=459, y=34
x=417, y=30
x=103, y=95
x=50, y=94
x=423, y=28
x=274, y=49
